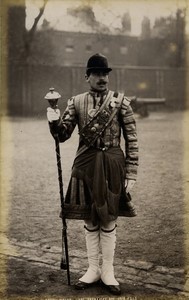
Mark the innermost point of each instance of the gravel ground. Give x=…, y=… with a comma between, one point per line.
x=155, y=235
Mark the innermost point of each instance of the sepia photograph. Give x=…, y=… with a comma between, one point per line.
x=94, y=149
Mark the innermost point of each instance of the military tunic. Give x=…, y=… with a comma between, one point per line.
x=99, y=170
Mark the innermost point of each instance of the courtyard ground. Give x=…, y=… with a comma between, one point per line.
x=151, y=255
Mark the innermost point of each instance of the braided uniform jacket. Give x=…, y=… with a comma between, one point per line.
x=78, y=111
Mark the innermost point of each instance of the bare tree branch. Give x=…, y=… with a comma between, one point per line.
x=33, y=29
x=29, y=35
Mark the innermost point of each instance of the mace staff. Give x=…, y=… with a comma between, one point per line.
x=53, y=98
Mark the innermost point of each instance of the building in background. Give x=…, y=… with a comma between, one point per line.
x=150, y=65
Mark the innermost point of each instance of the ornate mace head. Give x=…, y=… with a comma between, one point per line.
x=52, y=96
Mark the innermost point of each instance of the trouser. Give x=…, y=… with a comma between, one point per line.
x=103, y=237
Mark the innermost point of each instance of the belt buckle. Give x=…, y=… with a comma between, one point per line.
x=103, y=148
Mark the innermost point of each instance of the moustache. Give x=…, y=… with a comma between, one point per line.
x=102, y=82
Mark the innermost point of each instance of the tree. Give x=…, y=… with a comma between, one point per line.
x=172, y=29
x=126, y=23
x=18, y=32
x=19, y=41
x=145, y=28
x=29, y=35
x=86, y=15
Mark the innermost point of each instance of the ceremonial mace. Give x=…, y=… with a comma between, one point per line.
x=52, y=96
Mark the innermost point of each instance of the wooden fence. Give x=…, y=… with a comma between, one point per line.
x=28, y=86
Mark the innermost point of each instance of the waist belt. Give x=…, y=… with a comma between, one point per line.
x=99, y=144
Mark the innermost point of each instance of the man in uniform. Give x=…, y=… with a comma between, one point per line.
x=102, y=174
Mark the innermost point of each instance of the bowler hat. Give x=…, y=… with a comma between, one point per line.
x=98, y=62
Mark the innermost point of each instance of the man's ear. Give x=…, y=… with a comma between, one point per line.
x=86, y=78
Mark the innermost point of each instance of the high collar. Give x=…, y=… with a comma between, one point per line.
x=98, y=94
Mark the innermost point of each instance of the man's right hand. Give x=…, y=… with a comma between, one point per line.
x=53, y=114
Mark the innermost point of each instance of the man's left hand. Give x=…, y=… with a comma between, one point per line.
x=129, y=183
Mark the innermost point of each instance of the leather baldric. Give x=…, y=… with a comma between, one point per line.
x=101, y=118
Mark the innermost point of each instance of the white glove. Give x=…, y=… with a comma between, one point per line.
x=53, y=114
x=129, y=183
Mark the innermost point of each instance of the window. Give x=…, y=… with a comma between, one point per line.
x=69, y=45
x=88, y=48
x=123, y=50
x=69, y=48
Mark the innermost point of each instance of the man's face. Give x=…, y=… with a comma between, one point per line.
x=98, y=80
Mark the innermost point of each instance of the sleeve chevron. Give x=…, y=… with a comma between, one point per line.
x=131, y=142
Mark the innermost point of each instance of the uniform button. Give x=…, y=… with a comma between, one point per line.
x=93, y=129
